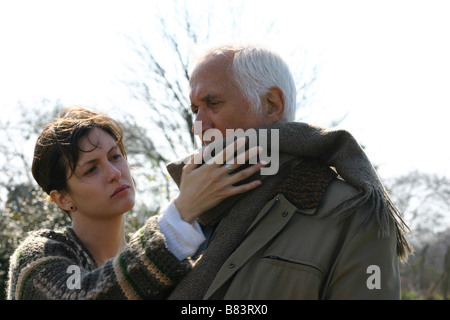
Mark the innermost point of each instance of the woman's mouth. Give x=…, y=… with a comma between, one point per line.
x=120, y=190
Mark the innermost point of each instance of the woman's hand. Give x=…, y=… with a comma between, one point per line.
x=203, y=187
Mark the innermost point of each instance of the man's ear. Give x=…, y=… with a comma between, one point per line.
x=62, y=199
x=275, y=104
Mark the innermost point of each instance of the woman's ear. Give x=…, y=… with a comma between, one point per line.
x=275, y=104
x=62, y=199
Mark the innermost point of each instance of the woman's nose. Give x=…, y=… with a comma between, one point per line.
x=113, y=173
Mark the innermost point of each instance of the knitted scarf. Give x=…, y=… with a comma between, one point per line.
x=335, y=148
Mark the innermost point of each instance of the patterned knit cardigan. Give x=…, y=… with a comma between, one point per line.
x=45, y=264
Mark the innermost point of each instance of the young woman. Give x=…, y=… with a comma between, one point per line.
x=80, y=162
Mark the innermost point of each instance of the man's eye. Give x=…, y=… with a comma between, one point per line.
x=214, y=103
x=194, y=109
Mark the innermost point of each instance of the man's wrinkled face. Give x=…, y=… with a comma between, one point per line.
x=216, y=100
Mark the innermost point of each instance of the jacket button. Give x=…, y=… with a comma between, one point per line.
x=284, y=214
x=231, y=265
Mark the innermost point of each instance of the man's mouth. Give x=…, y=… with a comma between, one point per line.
x=205, y=142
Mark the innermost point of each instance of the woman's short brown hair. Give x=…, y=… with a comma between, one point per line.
x=57, y=151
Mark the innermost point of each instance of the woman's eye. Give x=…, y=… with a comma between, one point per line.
x=116, y=156
x=90, y=171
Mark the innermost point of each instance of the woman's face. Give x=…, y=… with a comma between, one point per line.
x=101, y=186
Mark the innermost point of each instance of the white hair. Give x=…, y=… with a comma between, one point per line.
x=256, y=69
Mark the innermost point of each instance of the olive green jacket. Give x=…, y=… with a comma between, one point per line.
x=303, y=233
x=299, y=254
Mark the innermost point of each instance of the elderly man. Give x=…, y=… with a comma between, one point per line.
x=321, y=227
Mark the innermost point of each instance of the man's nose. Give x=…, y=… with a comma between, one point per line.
x=202, y=122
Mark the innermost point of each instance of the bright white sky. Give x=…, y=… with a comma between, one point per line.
x=385, y=63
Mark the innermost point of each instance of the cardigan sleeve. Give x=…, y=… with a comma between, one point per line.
x=50, y=265
x=183, y=238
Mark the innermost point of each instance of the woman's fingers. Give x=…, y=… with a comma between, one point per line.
x=244, y=188
x=231, y=158
x=203, y=187
x=245, y=173
x=227, y=153
x=242, y=158
x=190, y=165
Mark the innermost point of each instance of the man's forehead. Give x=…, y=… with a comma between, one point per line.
x=211, y=65
x=204, y=92
x=209, y=78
